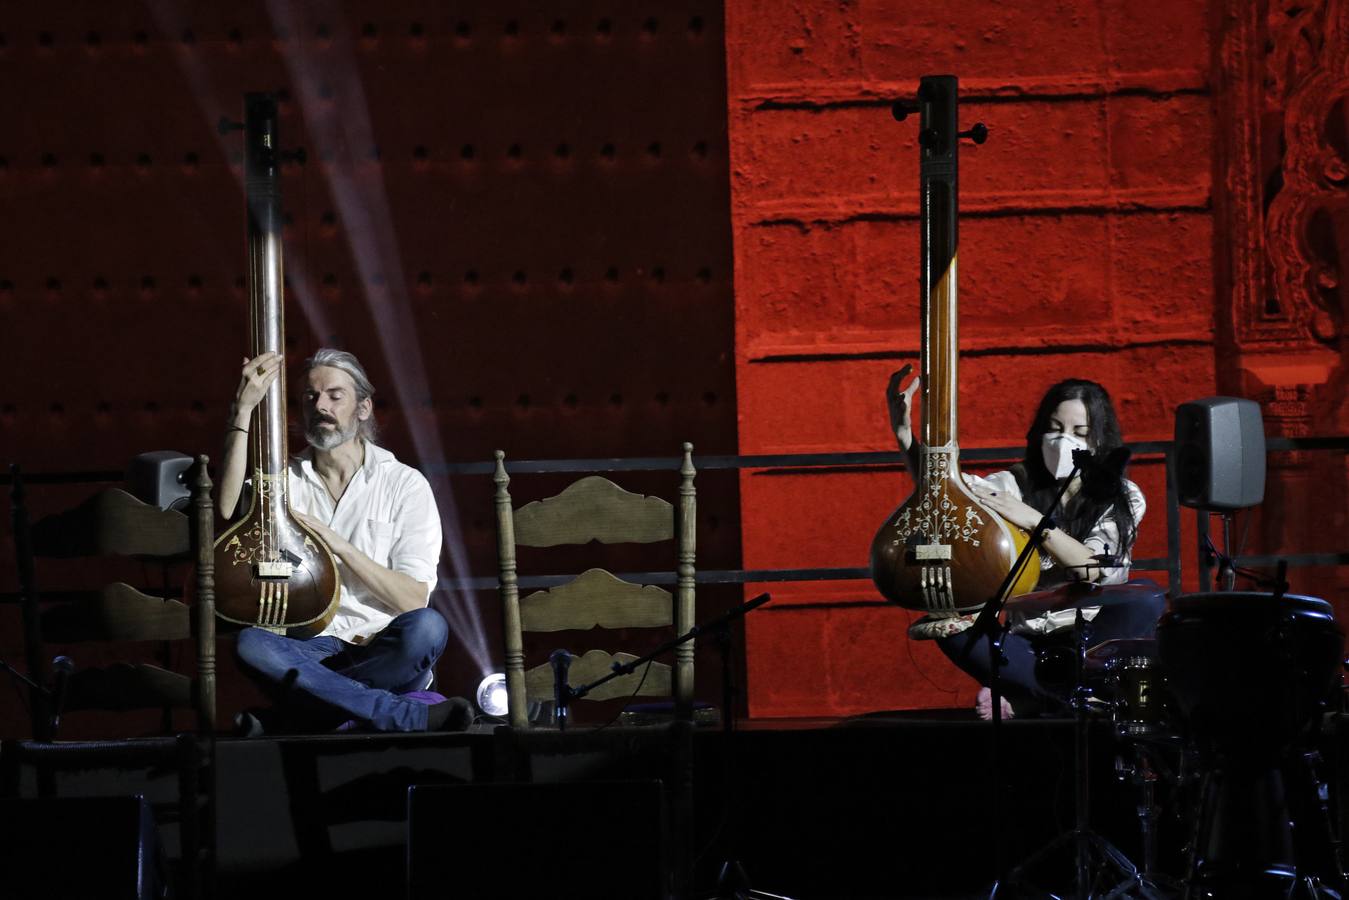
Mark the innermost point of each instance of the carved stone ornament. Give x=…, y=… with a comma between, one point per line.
x=1307, y=198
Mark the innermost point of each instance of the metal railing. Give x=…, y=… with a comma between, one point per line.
x=864, y=461
x=786, y=463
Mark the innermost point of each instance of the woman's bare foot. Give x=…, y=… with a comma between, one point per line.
x=983, y=705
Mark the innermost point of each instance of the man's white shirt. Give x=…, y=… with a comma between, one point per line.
x=388, y=513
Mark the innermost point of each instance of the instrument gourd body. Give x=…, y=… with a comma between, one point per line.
x=941, y=551
x=271, y=570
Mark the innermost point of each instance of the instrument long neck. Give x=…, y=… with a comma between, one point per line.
x=938, y=227
x=262, y=185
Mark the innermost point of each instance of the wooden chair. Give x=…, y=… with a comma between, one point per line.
x=596, y=509
x=112, y=523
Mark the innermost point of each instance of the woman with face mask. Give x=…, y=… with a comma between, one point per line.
x=1100, y=522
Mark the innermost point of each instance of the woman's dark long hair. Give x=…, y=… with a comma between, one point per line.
x=1037, y=483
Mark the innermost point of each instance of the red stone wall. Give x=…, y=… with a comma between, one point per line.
x=1087, y=249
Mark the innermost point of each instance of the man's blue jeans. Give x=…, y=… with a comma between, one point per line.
x=327, y=679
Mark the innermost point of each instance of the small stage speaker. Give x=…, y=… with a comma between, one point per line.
x=1220, y=454
x=159, y=478
x=504, y=841
x=79, y=847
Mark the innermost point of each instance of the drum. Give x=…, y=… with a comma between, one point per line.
x=1250, y=672
x=1140, y=704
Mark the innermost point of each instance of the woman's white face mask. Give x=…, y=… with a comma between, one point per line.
x=1058, y=450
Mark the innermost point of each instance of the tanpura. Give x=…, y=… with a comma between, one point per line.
x=270, y=569
x=942, y=551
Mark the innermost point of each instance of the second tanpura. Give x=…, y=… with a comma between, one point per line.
x=941, y=551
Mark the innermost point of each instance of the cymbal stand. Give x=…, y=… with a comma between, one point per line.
x=1142, y=771
x=1093, y=854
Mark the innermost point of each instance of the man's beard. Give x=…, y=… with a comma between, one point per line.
x=330, y=439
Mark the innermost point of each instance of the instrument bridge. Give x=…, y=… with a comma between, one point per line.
x=279, y=568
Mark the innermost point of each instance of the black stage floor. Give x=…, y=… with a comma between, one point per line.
x=889, y=805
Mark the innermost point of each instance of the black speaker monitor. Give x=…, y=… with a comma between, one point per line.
x=1220, y=454
x=159, y=478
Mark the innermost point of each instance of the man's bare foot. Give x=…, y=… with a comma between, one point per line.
x=983, y=705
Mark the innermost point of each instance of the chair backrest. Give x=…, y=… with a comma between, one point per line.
x=113, y=523
x=596, y=509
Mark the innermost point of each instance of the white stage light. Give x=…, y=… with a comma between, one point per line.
x=492, y=694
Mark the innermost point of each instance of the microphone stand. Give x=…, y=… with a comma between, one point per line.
x=567, y=693
x=1082, y=839
x=732, y=879
x=987, y=623
x=53, y=693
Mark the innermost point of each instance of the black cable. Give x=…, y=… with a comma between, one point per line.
x=23, y=697
x=908, y=646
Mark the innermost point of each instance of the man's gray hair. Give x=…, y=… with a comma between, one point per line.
x=346, y=362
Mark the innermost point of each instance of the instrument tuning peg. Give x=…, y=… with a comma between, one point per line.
x=902, y=109
x=295, y=156
x=978, y=134
x=226, y=125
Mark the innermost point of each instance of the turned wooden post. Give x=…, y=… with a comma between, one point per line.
x=685, y=608
x=516, y=700
x=203, y=610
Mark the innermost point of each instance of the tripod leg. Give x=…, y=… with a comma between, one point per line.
x=1318, y=852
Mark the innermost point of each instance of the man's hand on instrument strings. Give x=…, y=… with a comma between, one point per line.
x=1007, y=506
x=900, y=402
x=257, y=376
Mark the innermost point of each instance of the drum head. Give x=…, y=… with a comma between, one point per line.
x=1250, y=602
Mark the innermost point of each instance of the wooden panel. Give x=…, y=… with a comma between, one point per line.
x=594, y=509
x=118, y=612
x=126, y=614
x=596, y=598
x=594, y=665
x=112, y=523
